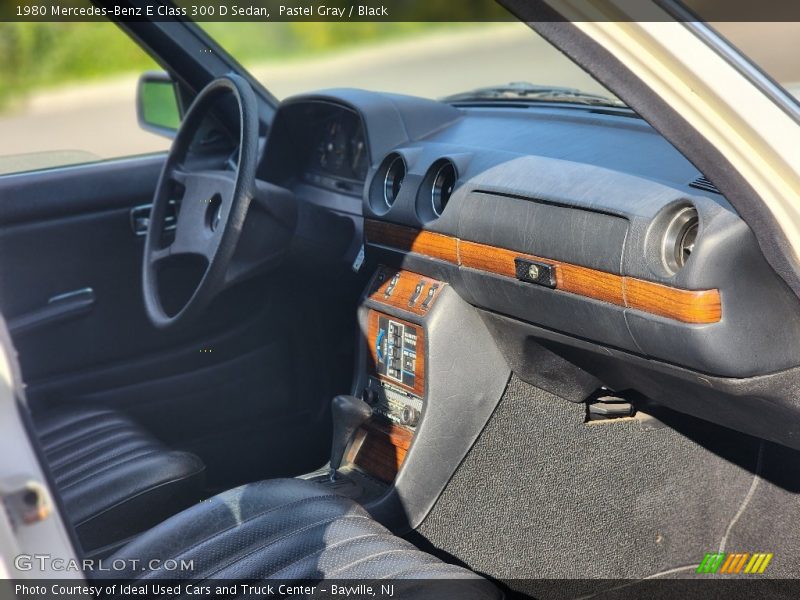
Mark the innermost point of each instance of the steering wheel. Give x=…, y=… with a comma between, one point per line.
x=213, y=205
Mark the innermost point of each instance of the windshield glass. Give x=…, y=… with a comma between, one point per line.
x=431, y=60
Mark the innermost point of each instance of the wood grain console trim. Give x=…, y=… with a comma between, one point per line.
x=407, y=239
x=569, y=278
x=686, y=306
x=404, y=290
x=382, y=448
x=700, y=306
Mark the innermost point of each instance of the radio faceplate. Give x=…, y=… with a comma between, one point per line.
x=394, y=403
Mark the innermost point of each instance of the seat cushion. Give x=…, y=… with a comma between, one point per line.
x=115, y=479
x=284, y=529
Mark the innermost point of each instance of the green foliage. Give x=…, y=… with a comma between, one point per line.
x=258, y=42
x=40, y=55
x=37, y=55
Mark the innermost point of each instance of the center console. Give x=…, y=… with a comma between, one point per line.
x=394, y=382
x=431, y=375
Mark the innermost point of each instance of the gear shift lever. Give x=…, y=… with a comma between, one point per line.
x=348, y=413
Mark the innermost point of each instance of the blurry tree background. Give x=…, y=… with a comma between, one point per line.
x=40, y=55
x=37, y=55
x=66, y=86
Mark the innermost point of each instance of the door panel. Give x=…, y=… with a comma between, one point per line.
x=229, y=387
x=49, y=249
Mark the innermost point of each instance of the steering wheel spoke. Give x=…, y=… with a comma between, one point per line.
x=178, y=174
x=159, y=255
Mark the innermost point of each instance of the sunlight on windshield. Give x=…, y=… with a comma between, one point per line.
x=422, y=59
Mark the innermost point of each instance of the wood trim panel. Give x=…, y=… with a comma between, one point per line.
x=419, y=371
x=569, y=278
x=687, y=306
x=404, y=289
x=383, y=449
x=701, y=306
x=407, y=239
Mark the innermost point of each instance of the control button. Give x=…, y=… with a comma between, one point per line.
x=417, y=291
x=429, y=298
x=535, y=272
x=409, y=416
x=370, y=397
x=409, y=363
x=392, y=285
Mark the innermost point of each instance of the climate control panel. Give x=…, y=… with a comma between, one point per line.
x=396, y=350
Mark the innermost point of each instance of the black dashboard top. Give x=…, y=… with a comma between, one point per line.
x=586, y=186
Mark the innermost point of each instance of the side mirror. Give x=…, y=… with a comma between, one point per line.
x=157, y=106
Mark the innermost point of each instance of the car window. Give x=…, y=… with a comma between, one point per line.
x=425, y=59
x=68, y=95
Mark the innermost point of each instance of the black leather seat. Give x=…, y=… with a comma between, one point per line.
x=115, y=479
x=288, y=529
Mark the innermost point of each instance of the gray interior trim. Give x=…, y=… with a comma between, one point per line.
x=464, y=382
x=609, y=71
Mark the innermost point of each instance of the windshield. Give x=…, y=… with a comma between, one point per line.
x=432, y=60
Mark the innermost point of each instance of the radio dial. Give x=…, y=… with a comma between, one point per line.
x=370, y=397
x=409, y=416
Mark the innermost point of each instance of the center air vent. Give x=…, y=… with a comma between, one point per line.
x=444, y=180
x=387, y=183
x=436, y=189
x=393, y=179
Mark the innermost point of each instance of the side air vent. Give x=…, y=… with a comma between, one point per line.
x=679, y=238
x=702, y=183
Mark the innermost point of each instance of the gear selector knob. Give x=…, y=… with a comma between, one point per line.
x=348, y=414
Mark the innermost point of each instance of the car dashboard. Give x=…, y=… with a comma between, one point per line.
x=579, y=229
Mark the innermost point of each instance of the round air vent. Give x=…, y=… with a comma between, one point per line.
x=679, y=238
x=386, y=184
x=444, y=180
x=436, y=188
x=393, y=178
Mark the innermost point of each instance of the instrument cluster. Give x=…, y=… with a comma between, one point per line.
x=339, y=156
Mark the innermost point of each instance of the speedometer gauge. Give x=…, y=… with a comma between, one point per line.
x=358, y=156
x=338, y=154
x=332, y=150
